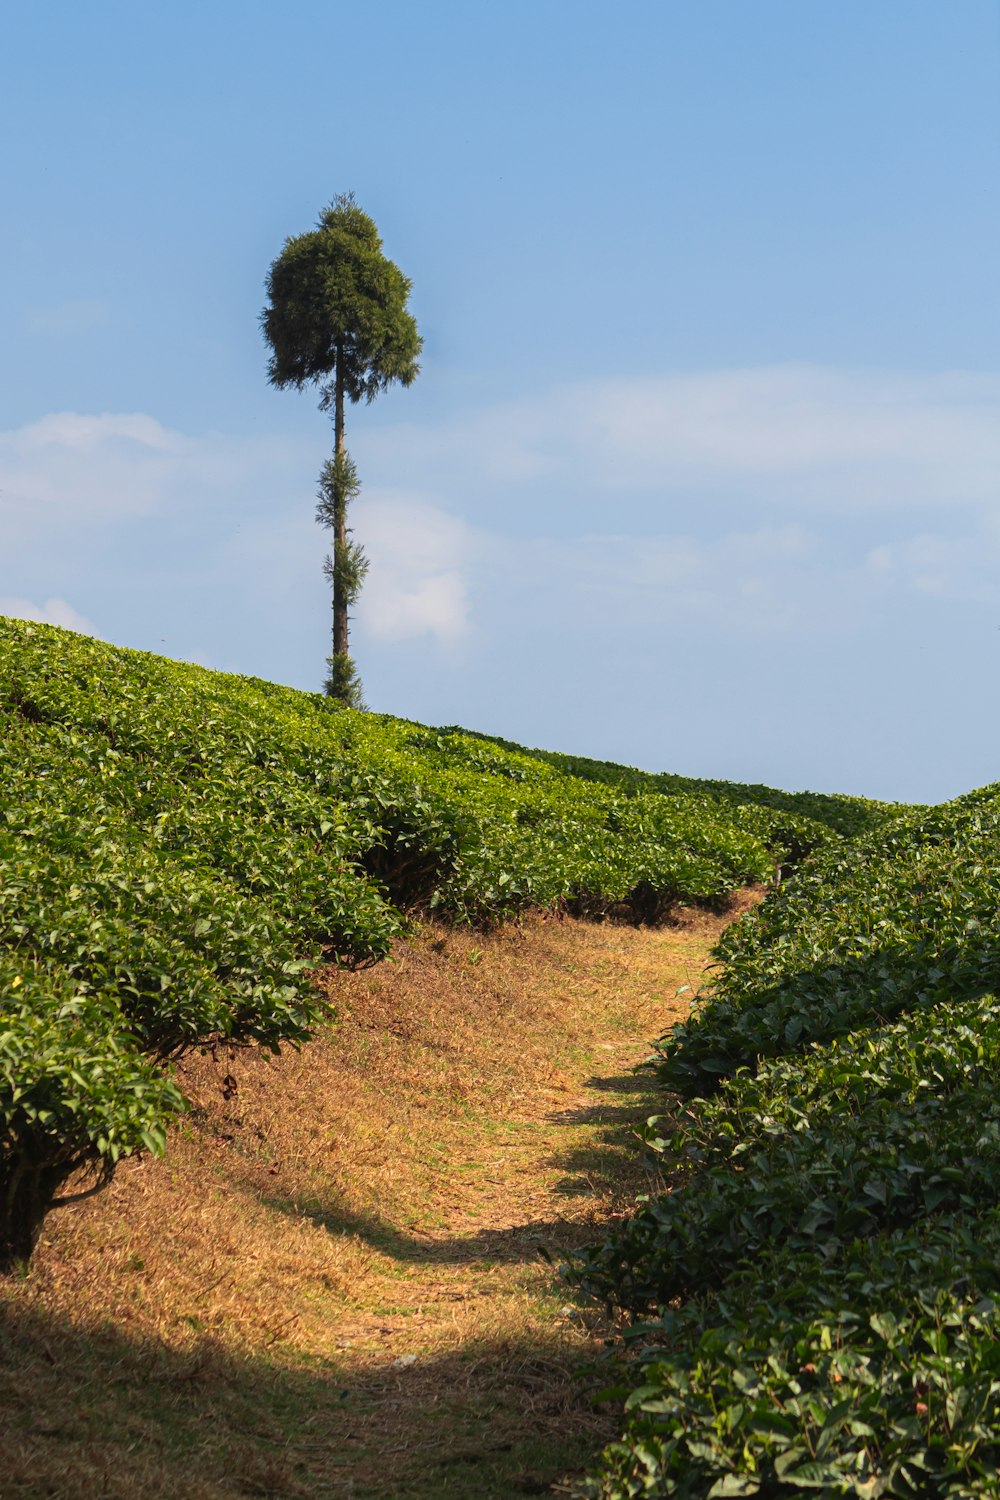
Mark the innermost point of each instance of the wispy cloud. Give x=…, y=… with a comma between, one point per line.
x=810, y=438
x=52, y=612
x=75, y=471
x=117, y=506
x=799, y=441
x=71, y=470
x=960, y=567
x=761, y=584
x=84, y=433
x=418, y=583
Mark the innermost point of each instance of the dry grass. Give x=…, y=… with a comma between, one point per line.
x=333, y=1286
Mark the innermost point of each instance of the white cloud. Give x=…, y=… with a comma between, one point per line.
x=434, y=575
x=793, y=441
x=149, y=517
x=663, y=587
x=963, y=567
x=436, y=606
x=71, y=471
x=52, y=612
x=418, y=582
x=84, y=433
x=792, y=419
x=420, y=554
x=811, y=438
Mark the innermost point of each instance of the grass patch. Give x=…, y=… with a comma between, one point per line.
x=333, y=1284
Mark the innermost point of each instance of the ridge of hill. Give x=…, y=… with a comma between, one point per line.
x=840, y=812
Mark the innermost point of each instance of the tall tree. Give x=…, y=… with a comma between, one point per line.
x=336, y=316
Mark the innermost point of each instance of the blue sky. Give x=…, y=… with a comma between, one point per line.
x=702, y=470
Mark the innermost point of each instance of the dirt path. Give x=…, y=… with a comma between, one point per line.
x=335, y=1284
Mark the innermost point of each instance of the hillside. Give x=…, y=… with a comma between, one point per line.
x=195, y=865
x=841, y=814
x=181, y=849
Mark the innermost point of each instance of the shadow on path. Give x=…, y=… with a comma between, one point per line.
x=88, y=1412
x=608, y=1167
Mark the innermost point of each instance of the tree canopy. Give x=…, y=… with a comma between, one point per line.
x=337, y=305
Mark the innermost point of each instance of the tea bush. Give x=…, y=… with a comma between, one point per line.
x=900, y=918
x=875, y=1374
x=815, y=1303
x=878, y=1129
x=838, y=813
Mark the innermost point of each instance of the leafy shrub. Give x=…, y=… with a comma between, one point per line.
x=816, y=1301
x=839, y=814
x=875, y=1374
x=74, y=1090
x=877, y=1130
x=904, y=917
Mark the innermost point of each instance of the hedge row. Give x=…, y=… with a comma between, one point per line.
x=828, y=1253
x=901, y=918
x=841, y=814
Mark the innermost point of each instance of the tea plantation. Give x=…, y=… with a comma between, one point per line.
x=816, y=1304
x=180, y=848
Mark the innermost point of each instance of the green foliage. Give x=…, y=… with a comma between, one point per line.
x=878, y=1129
x=179, y=848
x=904, y=916
x=343, y=683
x=346, y=570
x=872, y=1375
x=828, y=1252
x=335, y=300
x=844, y=815
x=338, y=486
x=74, y=1090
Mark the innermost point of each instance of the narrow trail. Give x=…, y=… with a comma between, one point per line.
x=336, y=1283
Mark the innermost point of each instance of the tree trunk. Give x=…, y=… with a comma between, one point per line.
x=26, y=1195
x=340, y=600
